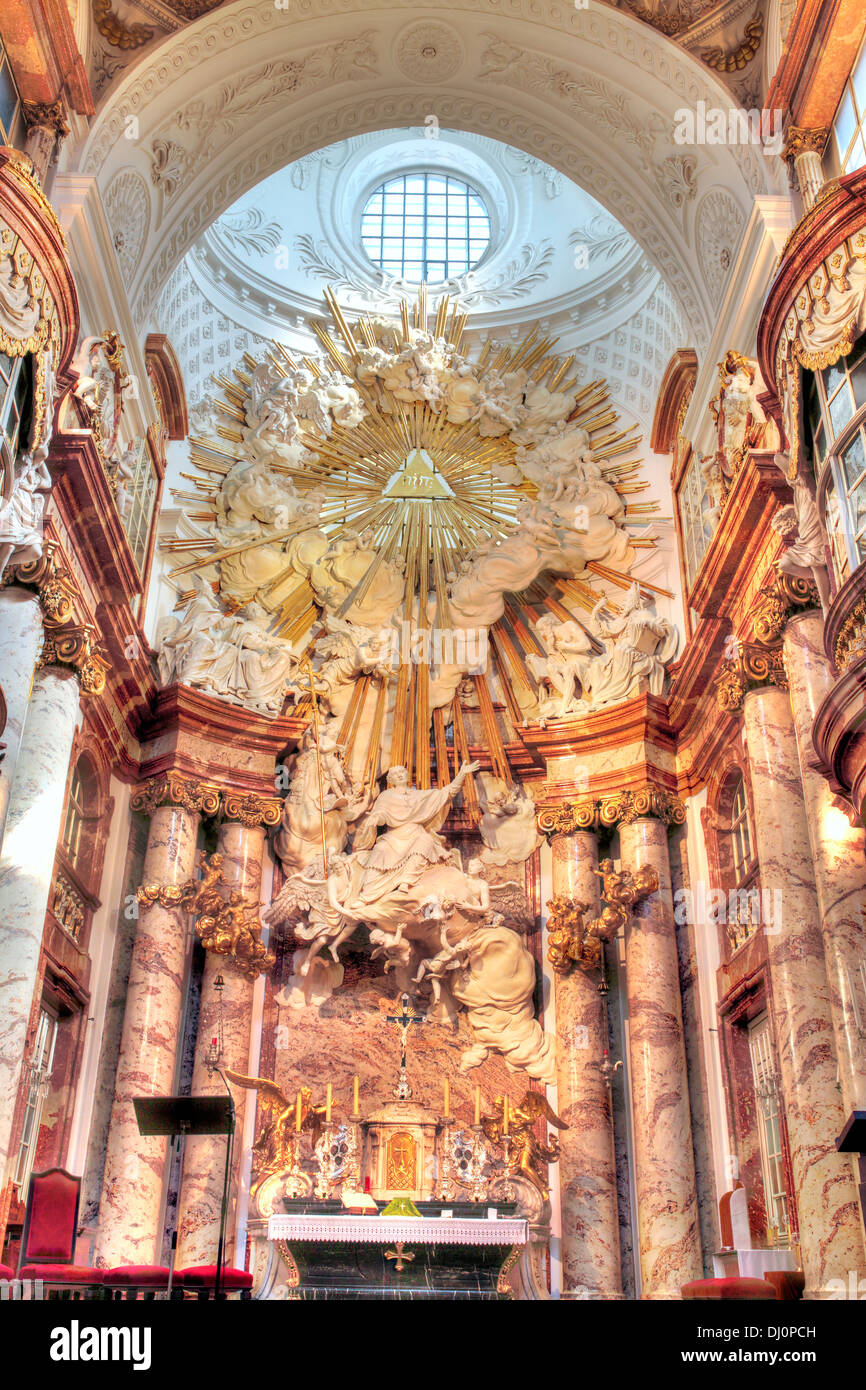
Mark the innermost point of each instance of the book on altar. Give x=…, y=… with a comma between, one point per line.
x=359, y=1203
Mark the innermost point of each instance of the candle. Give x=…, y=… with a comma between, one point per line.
x=298, y=1114
x=355, y=1097
x=504, y=1114
x=447, y=1099
x=478, y=1105
x=328, y=1100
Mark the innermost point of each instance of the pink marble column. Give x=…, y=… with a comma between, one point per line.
x=242, y=848
x=27, y=868
x=130, y=1211
x=21, y=637
x=831, y=1230
x=667, y=1209
x=838, y=858
x=587, y=1166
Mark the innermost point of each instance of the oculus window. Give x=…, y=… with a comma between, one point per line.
x=425, y=228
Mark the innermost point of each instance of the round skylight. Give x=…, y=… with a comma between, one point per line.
x=425, y=227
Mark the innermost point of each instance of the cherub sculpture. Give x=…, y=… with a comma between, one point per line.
x=275, y=1146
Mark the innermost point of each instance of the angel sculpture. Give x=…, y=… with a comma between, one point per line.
x=274, y=1148
x=526, y=1157
x=620, y=890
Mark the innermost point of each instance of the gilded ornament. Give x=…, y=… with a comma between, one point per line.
x=620, y=891
x=112, y=27
x=77, y=646
x=609, y=811
x=513, y=1130
x=276, y=1147
x=752, y=667
x=850, y=645
x=568, y=942
x=251, y=810
x=775, y=603
x=739, y=57
x=802, y=140
x=174, y=790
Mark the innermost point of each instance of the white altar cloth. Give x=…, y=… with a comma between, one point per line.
x=374, y=1230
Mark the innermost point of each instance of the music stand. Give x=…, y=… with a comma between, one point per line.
x=180, y=1116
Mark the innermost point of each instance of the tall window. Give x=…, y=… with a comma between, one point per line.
x=769, y=1129
x=138, y=512
x=425, y=227
x=849, y=127
x=14, y=394
x=739, y=867
x=836, y=422
x=11, y=120
x=37, y=1084
x=697, y=525
x=80, y=808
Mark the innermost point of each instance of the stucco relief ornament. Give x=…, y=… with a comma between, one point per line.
x=507, y=824
x=802, y=531
x=23, y=505
x=20, y=310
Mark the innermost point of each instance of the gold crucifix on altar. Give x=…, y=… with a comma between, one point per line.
x=404, y=1020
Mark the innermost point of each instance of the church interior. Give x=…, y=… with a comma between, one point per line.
x=433, y=650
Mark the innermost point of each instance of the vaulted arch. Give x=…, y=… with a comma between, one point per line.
x=244, y=91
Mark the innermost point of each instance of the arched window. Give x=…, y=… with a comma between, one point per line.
x=737, y=862
x=835, y=411
x=425, y=227
x=80, y=809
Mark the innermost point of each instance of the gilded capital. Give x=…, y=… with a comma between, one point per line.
x=609, y=811
x=76, y=646
x=803, y=140
x=752, y=667
x=174, y=790
x=251, y=810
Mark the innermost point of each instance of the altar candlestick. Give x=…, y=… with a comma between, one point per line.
x=328, y=1101
x=447, y=1099
x=478, y=1105
x=298, y=1114
x=355, y=1097
x=504, y=1114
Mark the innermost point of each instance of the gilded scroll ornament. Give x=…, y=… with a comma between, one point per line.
x=77, y=646
x=174, y=790
x=607, y=812
x=568, y=941
x=850, y=645
x=775, y=603
x=752, y=667
x=251, y=810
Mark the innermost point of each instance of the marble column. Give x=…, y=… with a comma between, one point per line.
x=242, y=848
x=130, y=1211
x=831, y=1232
x=664, y=1165
x=838, y=859
x=587, y=1166
x=27, y=868
x=21, y=638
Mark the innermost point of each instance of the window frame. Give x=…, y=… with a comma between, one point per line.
x=452, y=266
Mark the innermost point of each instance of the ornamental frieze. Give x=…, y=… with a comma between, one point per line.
x=622, y=808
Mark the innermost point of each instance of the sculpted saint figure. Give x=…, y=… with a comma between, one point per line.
x=410, y=844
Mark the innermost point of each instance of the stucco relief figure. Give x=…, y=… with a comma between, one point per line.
x=801, y=529
x=741, y=423
x=612, y=659
x=272, y=424
x=256, y=505
x=231, y=656
x=341, y=566
x=299, y=840
x=541, y=408
x=19, y=308
x=342, y=652
x=507, y=825
x=409, y=889
x=22, y=510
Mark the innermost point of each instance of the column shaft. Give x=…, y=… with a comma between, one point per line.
x=242, y=848
x=838, y=858
x=670, y=1247
x=130, y=1211
x=587, y=1166
x=831, y=1238
x=20, y=643
x=27, y=868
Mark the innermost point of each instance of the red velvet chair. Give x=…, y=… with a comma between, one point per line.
x=6, y=1272
x=48, y=1239
x=201, y=1280
x=134, y=1281
x=736, y=1289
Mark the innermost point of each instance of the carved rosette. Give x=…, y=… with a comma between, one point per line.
x=850, y=645
x=622, y=808
x=251, y=810
x=175, y=790
x=752, y=667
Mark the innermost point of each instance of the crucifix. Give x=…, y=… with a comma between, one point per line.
x=403, y=1020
